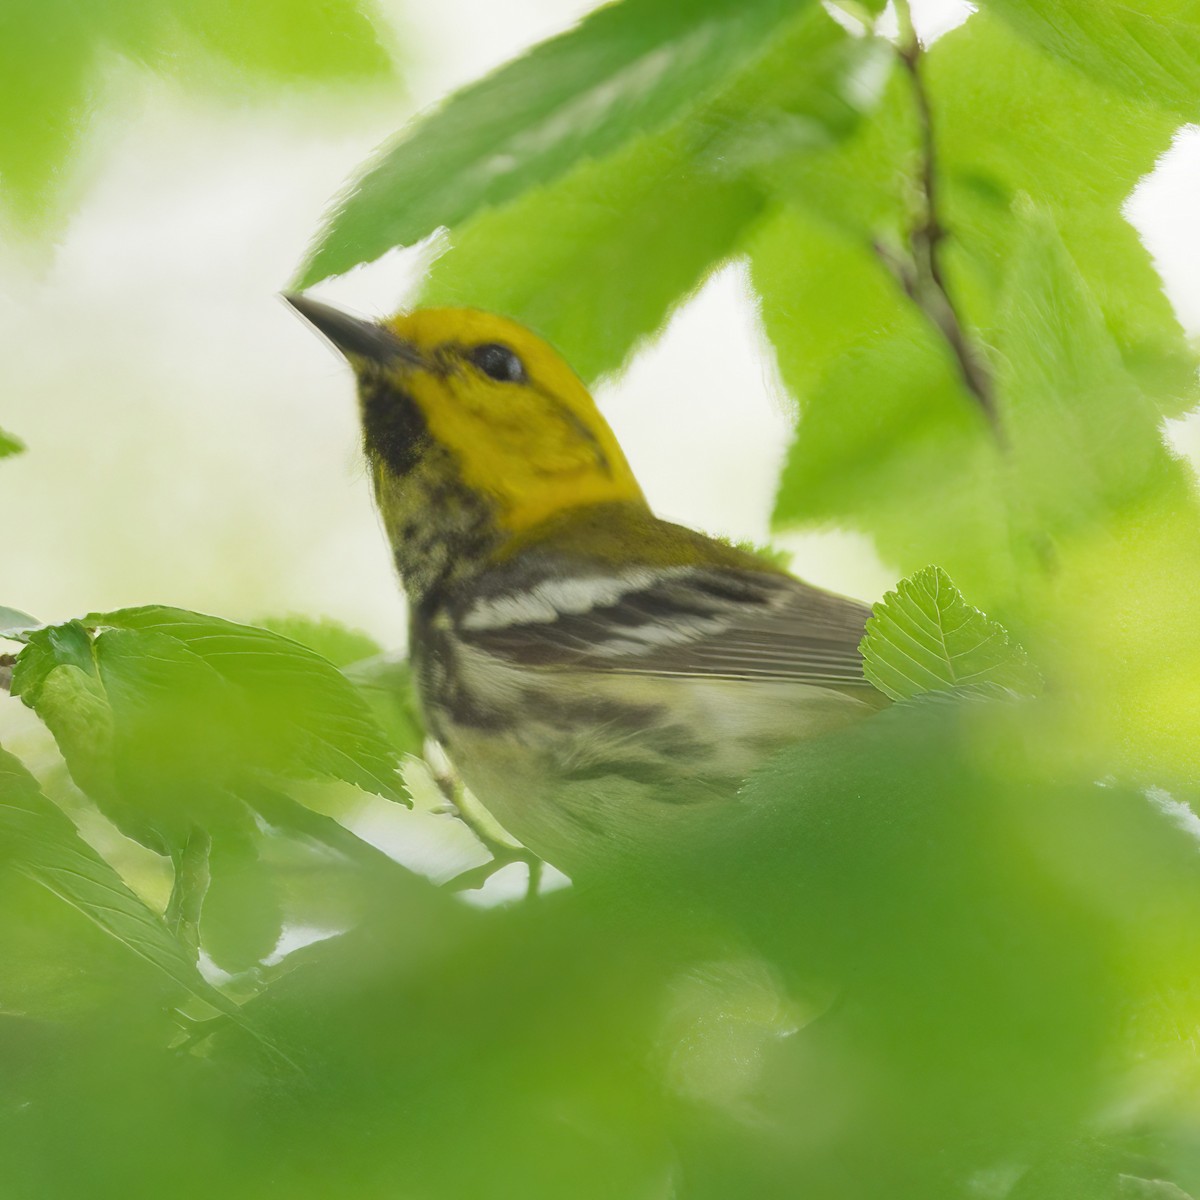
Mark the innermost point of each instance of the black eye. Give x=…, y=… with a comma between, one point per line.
x=498, y=362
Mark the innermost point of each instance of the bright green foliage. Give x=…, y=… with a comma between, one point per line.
x=1150, y=50
x=888, y=439
x=924, y=637
x=948, y=952
x=54, y=56
x=1076, y=148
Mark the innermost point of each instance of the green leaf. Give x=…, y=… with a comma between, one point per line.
x=888, y=441
x=924, y=637
x=301, y=714
x=40, y=842
x=52, y=646
x=628, y=69
x=54, y=58
x=1150, y=50
x=1110, y=513
x=1077, y=150
x=1068, y=397
x=10, y=445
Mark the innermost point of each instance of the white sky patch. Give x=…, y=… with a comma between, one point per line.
x=1162, y=208
x=1179, y=814
x=296, y=937
x=932, y=18
x=210, y=972
x=700, y=416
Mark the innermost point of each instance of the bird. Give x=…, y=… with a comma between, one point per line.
x=594, y=673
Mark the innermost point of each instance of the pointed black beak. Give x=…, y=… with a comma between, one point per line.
x=352, y=336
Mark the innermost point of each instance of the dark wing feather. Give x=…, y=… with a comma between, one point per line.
x=697, y=621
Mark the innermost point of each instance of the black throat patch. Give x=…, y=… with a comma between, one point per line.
x=394, y=428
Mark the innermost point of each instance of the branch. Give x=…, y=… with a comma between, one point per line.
x=924, y=280
x=502, y=853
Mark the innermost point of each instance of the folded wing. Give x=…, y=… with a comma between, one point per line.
x=676, y=621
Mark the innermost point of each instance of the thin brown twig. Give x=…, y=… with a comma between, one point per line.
x=924, y=280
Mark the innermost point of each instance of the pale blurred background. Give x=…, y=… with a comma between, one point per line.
x=190, y=442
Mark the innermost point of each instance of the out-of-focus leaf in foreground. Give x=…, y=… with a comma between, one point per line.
x=39, y=841
x=628, y=69
x=53, y=59
x=924, y=637
x=921, y=954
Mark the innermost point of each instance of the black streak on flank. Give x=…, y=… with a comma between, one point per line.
x=394, y=428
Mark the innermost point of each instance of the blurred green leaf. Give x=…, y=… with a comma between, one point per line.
x=9, y=445
x=181, y=739
x=935, y=971
x=54, y=56
x=39, y=841
x=1150, y=50
x=924, y=637
x=628, y=69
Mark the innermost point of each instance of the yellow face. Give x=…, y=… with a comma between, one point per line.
x=518, y=423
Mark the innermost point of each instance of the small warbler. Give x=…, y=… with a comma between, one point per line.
x=590, y=669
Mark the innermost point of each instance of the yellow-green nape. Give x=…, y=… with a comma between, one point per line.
x=531, y=437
